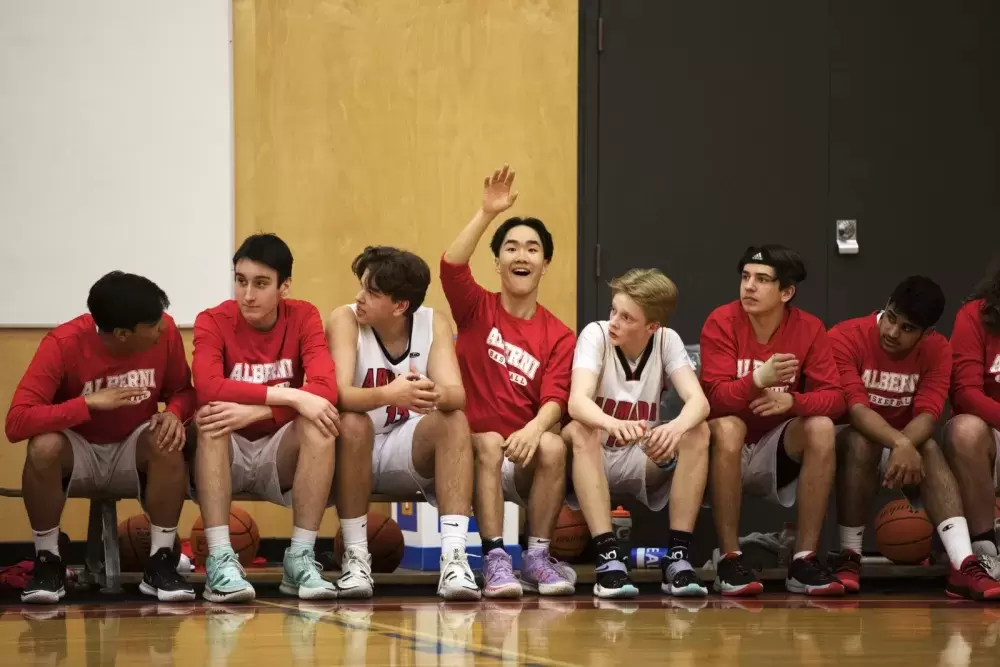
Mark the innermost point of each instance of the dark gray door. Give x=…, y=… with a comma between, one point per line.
x=914, y=147
x=712, y=135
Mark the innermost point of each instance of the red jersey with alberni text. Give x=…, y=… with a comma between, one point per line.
x=897, y=388
x=510, y=366
x=730, y=353
x=975, y=375
x=233, y=362
x=73, y=362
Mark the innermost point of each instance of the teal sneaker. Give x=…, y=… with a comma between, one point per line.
x=301, y=577
x=225, y=579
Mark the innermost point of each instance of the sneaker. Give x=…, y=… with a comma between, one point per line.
x=987, y=555
x=846, y=566
x=162, y=581
x=48, y=580
x=457, y=581
x=733, y=577
x=539, y=576
x=565, y=570
x=356, y=580
x=613, y=581
x=225, y=579
x=498, y=576
x=680, y=580
x=972, y=581
x=301, y=576
x=808, y=575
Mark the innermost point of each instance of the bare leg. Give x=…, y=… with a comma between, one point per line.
x=488, y=448
x=971, y=452
x=811, y=442
x=939, y=489
x=687, y=489
x=728, y=435
x=544, y=480
x=353, y=477
x=857, y=477
x=48, y=462
x=590, y=480
x=165, y=480
x=305, y=463
x=212, y=475
x=442, y=449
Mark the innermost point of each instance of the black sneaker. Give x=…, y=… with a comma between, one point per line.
x=680, y=580
x=162, y=580
x=48, y=580
x=733, y=577
x=612, y=575
x=808, y=575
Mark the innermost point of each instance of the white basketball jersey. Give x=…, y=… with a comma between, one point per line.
x=374, y=368
x=632, y=392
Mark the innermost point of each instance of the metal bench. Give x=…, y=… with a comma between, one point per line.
x=102, y=565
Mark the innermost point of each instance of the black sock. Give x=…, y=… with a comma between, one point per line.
x=605, y=543
x=988, y=536
x=680, y=544
x=491, y=544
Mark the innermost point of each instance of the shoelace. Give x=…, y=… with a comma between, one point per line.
x=989, y=562
x=974, y=569
x=740, y=566
x=357, y=565
x=229, y=560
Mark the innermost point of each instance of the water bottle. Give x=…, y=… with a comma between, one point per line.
x=621, y=525
x=649, y=558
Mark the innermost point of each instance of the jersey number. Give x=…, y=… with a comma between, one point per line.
x=380, y=377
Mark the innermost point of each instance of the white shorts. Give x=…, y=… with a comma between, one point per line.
x=392, y=464
x=628, y=475
x=254, y=467
x=760, y=469
x=508, y=482
x=105, y=469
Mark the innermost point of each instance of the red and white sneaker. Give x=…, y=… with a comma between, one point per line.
x=846, y=566
x=971, y=581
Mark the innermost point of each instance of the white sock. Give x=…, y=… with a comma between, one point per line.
x=802, y=554
x=303, y=539
x=218, y=539
x=537, y=543
x=355, y=533
x=954, y=534
x=454, y=533
x=161, y=538
x=852, y=537
x=47, y=540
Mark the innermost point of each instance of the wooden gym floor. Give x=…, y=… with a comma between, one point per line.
x=911, y=624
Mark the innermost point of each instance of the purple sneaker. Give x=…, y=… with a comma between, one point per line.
x=540, y=574
x=498, y=572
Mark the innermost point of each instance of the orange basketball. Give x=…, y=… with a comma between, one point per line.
x=903, y=534
x=243, y=535
x=570, y=537
x=385, y=543
x=134, y=543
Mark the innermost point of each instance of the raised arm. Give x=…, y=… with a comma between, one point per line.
x=497, y=198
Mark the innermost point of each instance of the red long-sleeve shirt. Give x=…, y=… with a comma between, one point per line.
x=898, y=389
x=235, y=363
x=975, y=380
x=510, y=366
x=730, y=353
x=73, y=362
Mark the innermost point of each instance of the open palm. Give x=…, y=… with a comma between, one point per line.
x=497, y=195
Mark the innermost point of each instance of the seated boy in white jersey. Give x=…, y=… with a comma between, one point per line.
x=88, y=407
x=396, y=362
x=768, y=371
x=266, y=382
x=620, y=443
x=896, y=371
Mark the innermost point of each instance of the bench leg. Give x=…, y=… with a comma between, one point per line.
x=94, y=561
x=112, y=565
